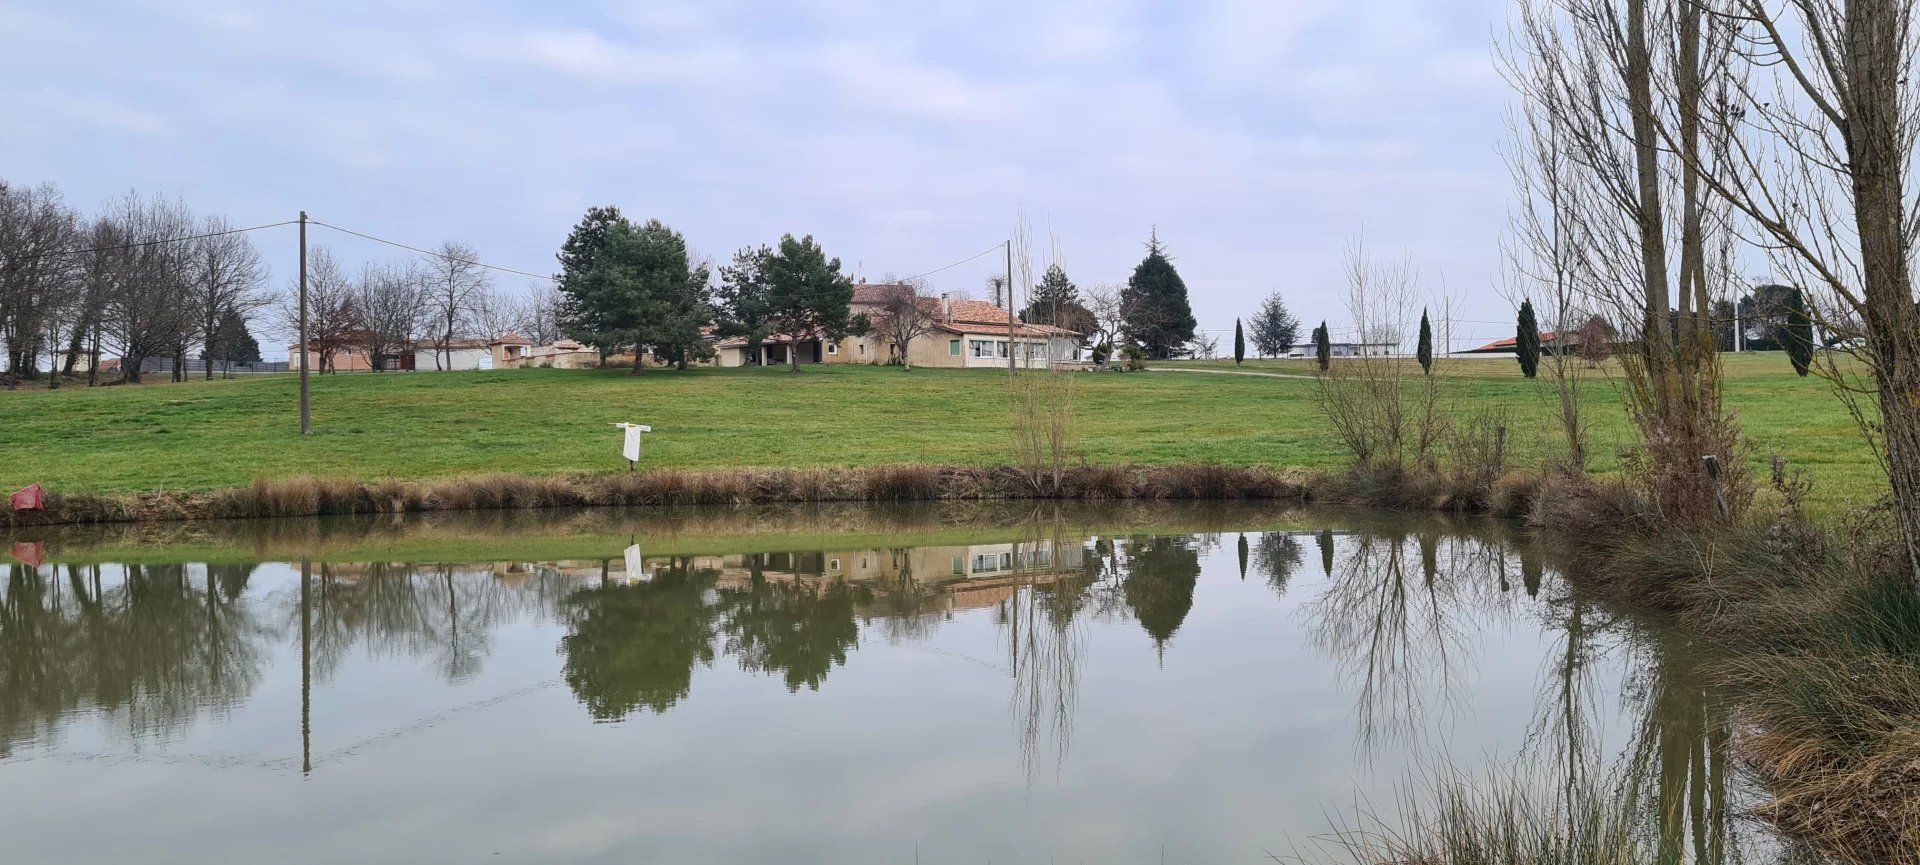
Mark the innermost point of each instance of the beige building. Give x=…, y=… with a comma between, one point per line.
x=963, y=334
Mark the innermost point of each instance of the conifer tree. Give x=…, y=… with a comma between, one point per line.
x=1239, y=344
x=1526, y=343
x=1425, y=352
x=1799, y=333
x=1154, y=308
x=1322, y=347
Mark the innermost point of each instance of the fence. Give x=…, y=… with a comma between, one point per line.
x=196, y=366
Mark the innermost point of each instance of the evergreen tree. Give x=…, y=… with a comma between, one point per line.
x=1056, y=302
x=1153, y=307
x=1274, y=328
x=1322, y=347
x=642, y=292
x=743, y=298
x=1799, y=333
x=808, y=297
x=232, y=343
x=1425, y=352
x=1526, y=344
x=1239, y=344
x=588, y=309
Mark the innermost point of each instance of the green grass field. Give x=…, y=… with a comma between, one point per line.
x=202, y=435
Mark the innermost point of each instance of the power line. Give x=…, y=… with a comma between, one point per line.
x=430, y=253
x=145, y=243
x=953, y=265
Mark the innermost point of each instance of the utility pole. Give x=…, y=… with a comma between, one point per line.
x=1010, y=344
x=306, y=407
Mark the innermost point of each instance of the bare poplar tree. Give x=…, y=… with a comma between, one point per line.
x=455, y=279
x=1632, y=92
x=537, y=314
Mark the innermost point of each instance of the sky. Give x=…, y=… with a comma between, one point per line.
x=1258, y=138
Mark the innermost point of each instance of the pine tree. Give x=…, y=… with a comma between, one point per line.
x=588, y=311
x=1425, y=352
x=232, y=343
x=1239, y=344
x=1799, y=333
x=1153, y=307
x=643, y=293
x=1056, y=302
x=1274, y=328
x=1526, y=343
x=1322, y=347
x=809, y=297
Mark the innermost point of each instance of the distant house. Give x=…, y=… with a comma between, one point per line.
x=962, y=333
x=1551, y=341
x=1348, y=349
x=562, y=354
x=347, y=356
x=504, y=352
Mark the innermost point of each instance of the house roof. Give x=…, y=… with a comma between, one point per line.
x=880, y=292
x=1513, y=342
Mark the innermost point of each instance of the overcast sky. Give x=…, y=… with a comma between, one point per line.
x=1258, y=135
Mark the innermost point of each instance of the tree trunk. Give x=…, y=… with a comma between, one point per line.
x=1873, y=55
x=1656, y=341
x=130, y=367
x=639, y=359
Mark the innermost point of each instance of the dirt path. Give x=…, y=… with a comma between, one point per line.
x=1230, y=372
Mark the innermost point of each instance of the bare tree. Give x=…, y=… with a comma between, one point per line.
x=149, y=309
x=455, y=281
x=492, y=313
x=537, y=315
x=333, y=316
x=1632, y=93
x=229, y=283
x=389, y=300
x=1825, y=180
x=1104, y=302
x=903, y=317
x=37, y=230
x=1386, y=421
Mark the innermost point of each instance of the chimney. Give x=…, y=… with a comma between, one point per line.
x=946, y=306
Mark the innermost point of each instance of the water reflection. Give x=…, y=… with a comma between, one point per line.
x=1409, y=616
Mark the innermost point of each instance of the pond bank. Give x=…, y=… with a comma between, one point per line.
x=307, y=496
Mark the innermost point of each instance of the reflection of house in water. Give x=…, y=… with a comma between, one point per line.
x=975, y=575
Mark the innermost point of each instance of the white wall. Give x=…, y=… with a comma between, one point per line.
x=458, y=359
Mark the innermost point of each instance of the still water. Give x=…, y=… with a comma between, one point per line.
x=994, y=684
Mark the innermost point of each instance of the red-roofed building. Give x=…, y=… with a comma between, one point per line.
x=961, y=333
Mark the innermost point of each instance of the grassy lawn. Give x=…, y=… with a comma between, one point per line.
x=200, y=435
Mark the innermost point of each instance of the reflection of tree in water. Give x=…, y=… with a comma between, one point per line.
x=1679, y=768
x=798, y=629
x=445, y=611
x=1159, y=581
x=1042, y=618
x=635, y=646
x=154, y=649
x=1399, y=633
x=1277, y=557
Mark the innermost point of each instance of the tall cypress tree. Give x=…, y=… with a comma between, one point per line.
x=1799, y=333
x=1239, y=343
x=1153, y=307
x=1526, y=342
x=1425, y=352
x=1322, y=347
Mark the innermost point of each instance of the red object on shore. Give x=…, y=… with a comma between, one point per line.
x=29, y=499
x=31, y=552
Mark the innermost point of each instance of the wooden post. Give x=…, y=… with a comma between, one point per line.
x=1010, y=355
x=306, y=407
x=1713, y=480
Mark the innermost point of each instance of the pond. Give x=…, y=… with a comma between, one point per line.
x=990, y=683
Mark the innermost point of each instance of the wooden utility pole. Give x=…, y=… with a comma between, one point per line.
x=306, y=407
x=1010, y=344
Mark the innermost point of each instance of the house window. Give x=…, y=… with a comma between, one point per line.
x=985, y=562
x=833, y=348
x=959, y=564
x=980, y=347
x=953, y=348
x=833, y=564
x=863, y=349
